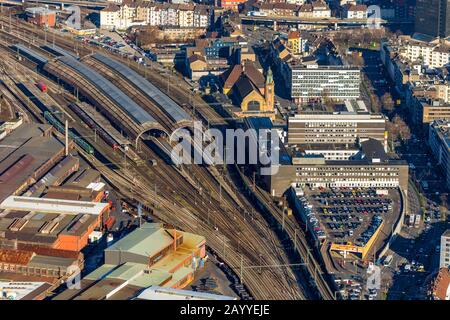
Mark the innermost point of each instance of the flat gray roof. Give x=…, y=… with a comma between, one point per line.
x=170, y=107
x=54, y=49
x=30, y=54
x=137, y=113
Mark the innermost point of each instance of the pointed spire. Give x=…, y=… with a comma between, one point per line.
x=269, y=76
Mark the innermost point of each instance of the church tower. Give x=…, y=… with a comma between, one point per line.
x=269, y=91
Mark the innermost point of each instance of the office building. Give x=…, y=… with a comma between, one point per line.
x=313, y=82
x=344, y=127
x=369, y=168
x=438, y=140
x=433, y=17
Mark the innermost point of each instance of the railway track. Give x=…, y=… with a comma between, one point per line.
x=230, y=233
x=219, y=241
x=229, y=212
x=298, y=237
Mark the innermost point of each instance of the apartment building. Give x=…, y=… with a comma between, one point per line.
x=426, y=109
x=297, y=2
x=296, y=43
x=314, y=10
x=351, y=11
x=335, y=127
x=433, y=17
x=431, y=55
x=444, y=261
x=130, y=14
x=314, y=82
x=439, y=142
x=231, y=4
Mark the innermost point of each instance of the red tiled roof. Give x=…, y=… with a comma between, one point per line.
x=441, y=284
x=232, y=76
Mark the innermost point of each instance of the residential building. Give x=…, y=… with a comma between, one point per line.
x=128, y=14
x=315, y=10
x=439, y=142
x=277, y=8
x=441, y=285
x=433, y=17
x=314, y=82
x=432, y=55
x=351, y=11
x=296, y=43
x=231, y=4
x=297, y=2
x=425, y=110
x=444, y=260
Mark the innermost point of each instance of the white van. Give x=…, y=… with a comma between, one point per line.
x=388, y=260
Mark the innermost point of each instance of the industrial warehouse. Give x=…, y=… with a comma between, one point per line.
x=149, y=256
x=343, y=202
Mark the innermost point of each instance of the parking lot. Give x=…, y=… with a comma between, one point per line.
x=353, y=214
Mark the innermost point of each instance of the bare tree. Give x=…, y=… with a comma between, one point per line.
x=443, y=207
x=387, y=102
x=375, y=102
x=404, y=132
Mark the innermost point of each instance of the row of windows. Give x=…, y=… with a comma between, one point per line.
x=332, y=168
x=347, y=174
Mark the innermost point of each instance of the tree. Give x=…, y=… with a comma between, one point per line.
x=387, y=102
x=443, y=206
x=375, y=102
x=404, y=132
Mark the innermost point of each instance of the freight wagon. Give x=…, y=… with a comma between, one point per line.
x=59, y=126
x=106, y=136
x=94, y=125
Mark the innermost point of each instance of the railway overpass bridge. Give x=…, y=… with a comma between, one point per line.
x=295, y=21
x=60, y=3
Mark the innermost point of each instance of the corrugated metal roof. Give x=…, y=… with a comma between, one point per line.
x=17, y=167
x=54, y=49
x=139, y=115
x=31, y=54
x=170, y=107
x=51, y=262
x=147, y=240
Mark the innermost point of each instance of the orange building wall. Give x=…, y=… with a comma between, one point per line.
x=78, y=242
x=231, y=4
x=41, y=19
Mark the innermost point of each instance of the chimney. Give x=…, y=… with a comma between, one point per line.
x=175, y=239
x=67, y=137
